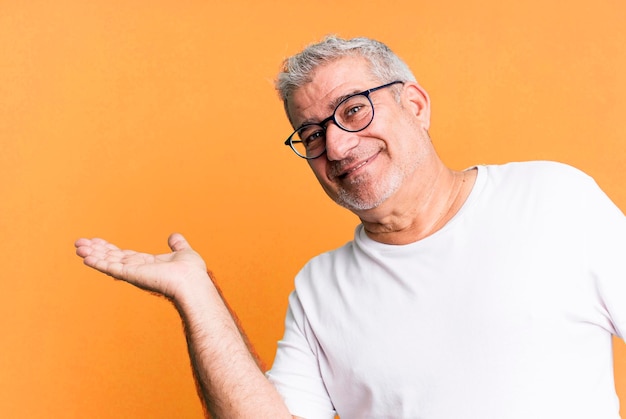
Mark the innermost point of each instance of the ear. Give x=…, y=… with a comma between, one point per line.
x=417, y=100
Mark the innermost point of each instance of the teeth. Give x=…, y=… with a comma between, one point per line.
x=342, y=173
x=360, y=165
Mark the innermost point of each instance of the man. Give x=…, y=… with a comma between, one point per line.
x=487, y=293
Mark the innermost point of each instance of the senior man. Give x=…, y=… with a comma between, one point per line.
x=491, y=292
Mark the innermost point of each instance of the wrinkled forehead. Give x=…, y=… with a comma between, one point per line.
x=329, y=84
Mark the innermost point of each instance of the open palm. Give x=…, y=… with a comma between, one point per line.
x=165, y=274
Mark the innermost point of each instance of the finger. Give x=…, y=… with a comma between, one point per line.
x=101, y=261
x=111, y=268
x=88, y=242
x=177, y=242
x=82, y=242
x=83, y=250
x=109, y=254
x=86, y=247
x=118, y=263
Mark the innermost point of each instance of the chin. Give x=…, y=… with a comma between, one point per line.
x=368, y=192
x=355, y=201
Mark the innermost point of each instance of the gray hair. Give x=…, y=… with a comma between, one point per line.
x=298, y=69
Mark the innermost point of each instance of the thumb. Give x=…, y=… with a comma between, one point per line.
x=177, y=242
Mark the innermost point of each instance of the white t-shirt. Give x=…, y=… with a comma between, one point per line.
x=507, y=312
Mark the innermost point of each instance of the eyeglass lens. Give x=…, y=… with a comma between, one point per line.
x=353, y=114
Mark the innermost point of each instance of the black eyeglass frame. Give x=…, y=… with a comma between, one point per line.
x=324, y=123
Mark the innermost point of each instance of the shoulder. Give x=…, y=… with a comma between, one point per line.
x=324, y=277
x=319, y=268
x=540, y=169
x=534, y=188
x=317, y=284
x=538, y=176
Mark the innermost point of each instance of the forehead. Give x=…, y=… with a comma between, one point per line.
x=329, y=83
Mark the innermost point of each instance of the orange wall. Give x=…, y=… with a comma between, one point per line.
x=131, y=119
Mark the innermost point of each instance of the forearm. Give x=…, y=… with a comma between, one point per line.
x=230, y=382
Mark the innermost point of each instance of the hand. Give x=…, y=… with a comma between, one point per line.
x=167, y=274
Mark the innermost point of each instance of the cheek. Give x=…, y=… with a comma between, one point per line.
x=318, y=167
x=319, y=170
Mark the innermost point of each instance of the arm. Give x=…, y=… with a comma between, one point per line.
x=230, y=383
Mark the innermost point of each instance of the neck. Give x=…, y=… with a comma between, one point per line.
x=423, y=211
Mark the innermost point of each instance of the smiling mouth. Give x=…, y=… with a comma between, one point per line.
x=353, y=169
x=343, y=174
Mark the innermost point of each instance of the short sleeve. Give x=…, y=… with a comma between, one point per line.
x=606, y=241
x=295, y=372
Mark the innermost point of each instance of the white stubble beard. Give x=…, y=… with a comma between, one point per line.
x=359, y=198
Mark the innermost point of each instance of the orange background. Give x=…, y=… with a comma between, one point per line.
x=130, y=120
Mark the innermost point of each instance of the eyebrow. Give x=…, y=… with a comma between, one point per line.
x=335, y=102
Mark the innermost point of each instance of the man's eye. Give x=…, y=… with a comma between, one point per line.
x=353, y=110
x=313, y=139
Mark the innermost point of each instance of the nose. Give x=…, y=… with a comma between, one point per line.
x=339, y=143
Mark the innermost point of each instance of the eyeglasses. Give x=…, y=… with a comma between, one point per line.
x=352, y=114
